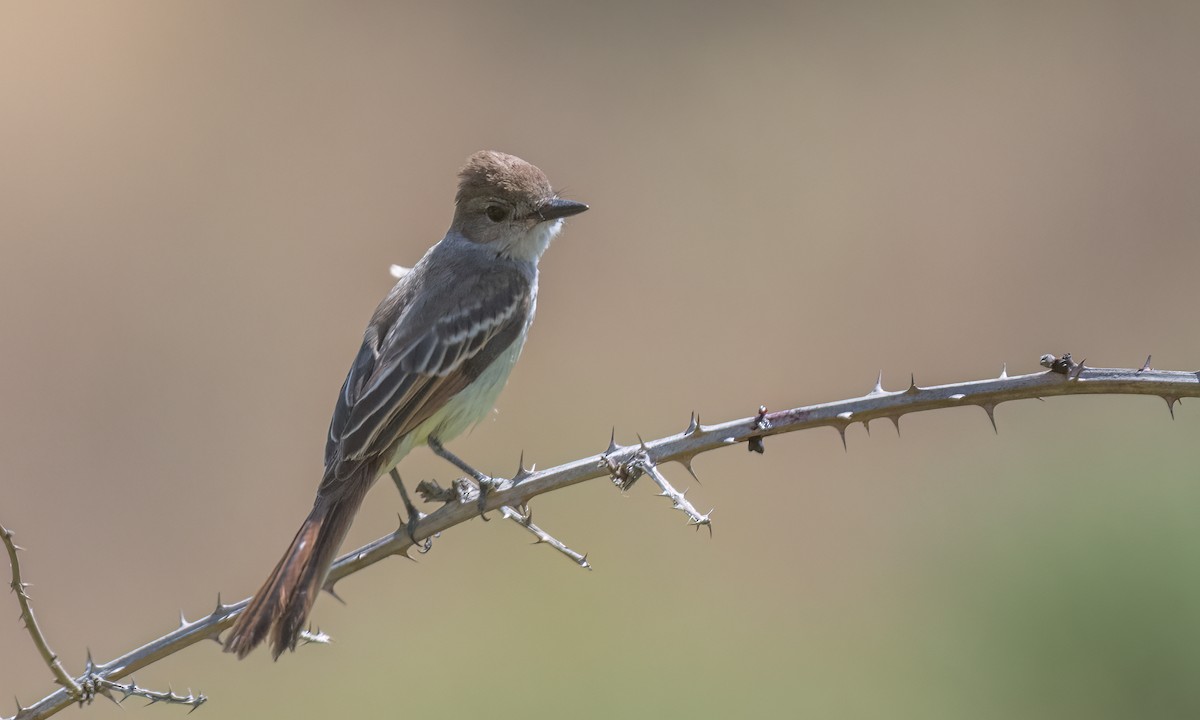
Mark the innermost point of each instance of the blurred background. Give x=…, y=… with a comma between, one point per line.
x=198, y=206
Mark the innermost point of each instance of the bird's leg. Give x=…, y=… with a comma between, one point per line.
x=414, y=515
x=486, y=484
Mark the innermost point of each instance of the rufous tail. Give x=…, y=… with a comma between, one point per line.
x=280, y=608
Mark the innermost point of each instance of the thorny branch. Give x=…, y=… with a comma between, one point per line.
x=20, y=587
x=524, y=518
x=624, y=464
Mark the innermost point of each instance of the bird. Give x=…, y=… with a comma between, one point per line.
x=435, y=355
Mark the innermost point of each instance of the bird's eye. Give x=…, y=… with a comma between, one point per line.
x=496, y=213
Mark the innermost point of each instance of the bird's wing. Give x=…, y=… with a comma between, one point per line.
x=419, y=353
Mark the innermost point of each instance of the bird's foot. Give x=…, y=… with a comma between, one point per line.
x=414, y=516
x=486, y=486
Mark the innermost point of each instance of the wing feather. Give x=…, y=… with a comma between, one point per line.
x=404, y=373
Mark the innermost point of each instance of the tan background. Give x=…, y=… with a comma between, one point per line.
x=198, y=205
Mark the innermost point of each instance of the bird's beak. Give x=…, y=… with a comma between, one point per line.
x=556, y=208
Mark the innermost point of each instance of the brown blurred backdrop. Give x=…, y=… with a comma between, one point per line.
x=198, y=205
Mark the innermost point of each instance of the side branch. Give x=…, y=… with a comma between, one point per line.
x=1064, y=377
x=19, y=587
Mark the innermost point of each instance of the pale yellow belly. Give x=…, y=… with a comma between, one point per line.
x=465, y=409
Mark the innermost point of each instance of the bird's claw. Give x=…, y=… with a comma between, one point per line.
x=486, y=486
x=422, y=546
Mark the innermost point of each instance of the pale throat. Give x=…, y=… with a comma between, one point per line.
x=530, y=245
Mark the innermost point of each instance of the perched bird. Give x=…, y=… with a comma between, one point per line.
x=435, y=355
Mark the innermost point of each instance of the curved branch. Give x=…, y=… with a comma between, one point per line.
x=18, y=586
x=625, y=463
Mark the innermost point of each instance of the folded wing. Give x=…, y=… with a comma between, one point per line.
x=413, y=362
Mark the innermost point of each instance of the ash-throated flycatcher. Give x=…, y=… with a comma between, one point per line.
x=434, y=357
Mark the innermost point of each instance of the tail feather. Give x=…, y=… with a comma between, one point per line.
x=278, y=611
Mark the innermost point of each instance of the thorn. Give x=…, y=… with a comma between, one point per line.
x=220, y=606
x=912, y=385
x=895, y=421
x=522, y=472
x=1004, y=371
x=867, y=426
x=182, y=620
x=1146, y=365
x=1080, y=368
x=612, y=443
x=1171, y=400
x=686, y=462
x=330, y=589
x=990, y=409
x=878, y=389
x=846, y=419
x=88, y=666
x=693, y=425
x=643, y=444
